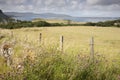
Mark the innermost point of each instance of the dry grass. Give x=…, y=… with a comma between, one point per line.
x=51, y=20
x=107, y=40
x=58, y=21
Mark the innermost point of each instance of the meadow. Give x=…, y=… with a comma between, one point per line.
x=44, y=60
x=60, y=21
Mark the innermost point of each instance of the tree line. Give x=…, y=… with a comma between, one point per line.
x=23, y=24
x=14, y=24
x=112, y=23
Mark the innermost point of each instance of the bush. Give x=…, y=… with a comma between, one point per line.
x=90, y=24
x=104, y=24
x=20, y=24
x=41, y=24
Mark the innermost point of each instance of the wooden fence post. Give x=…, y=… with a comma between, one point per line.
x=12, y=34
x=40, y=38
x=92, y=49
x=61, y=43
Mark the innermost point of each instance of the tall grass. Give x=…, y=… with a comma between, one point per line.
x=51, y=64
x=47, y=62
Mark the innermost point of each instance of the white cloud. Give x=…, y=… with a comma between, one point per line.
x=103, y=2
x=63, y=6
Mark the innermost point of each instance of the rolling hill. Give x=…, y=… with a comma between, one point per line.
x=3, y=18
x=30, y=16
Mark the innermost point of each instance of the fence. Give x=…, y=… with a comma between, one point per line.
x=61, y=46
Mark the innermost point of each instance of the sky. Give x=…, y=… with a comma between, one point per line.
x=80, y=8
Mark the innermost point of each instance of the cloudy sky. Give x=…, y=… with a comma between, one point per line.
x=89, y=8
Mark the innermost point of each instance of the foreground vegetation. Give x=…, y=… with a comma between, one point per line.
x=53, y=65
x=44, y=61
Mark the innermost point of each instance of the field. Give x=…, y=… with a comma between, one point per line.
x=50, y=20
x=77, y=39
x=58, y=21
x=76, y=44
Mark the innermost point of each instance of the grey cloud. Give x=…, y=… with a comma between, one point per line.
x=103, y=2
x=43, y=4
x=103, y=5
x=2, y=2
x=66, y=6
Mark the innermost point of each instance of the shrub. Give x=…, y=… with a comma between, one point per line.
x=104, y=24
x=41, y=24
x=90, y=24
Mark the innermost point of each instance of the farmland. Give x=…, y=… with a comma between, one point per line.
x=58, y=21
x=69, y=64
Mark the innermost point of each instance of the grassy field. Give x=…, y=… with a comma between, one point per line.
x=58, y=21
x=76, y=42
x=50, y=20
x=107, y=40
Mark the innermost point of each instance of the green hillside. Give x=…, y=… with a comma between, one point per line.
x=3, y=18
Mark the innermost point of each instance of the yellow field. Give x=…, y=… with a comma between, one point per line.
x=51, y=20
x=57, y=21
x=76, y=48
x=76, y=39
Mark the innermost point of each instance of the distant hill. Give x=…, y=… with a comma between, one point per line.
x=3, y=18
x=30, y=16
